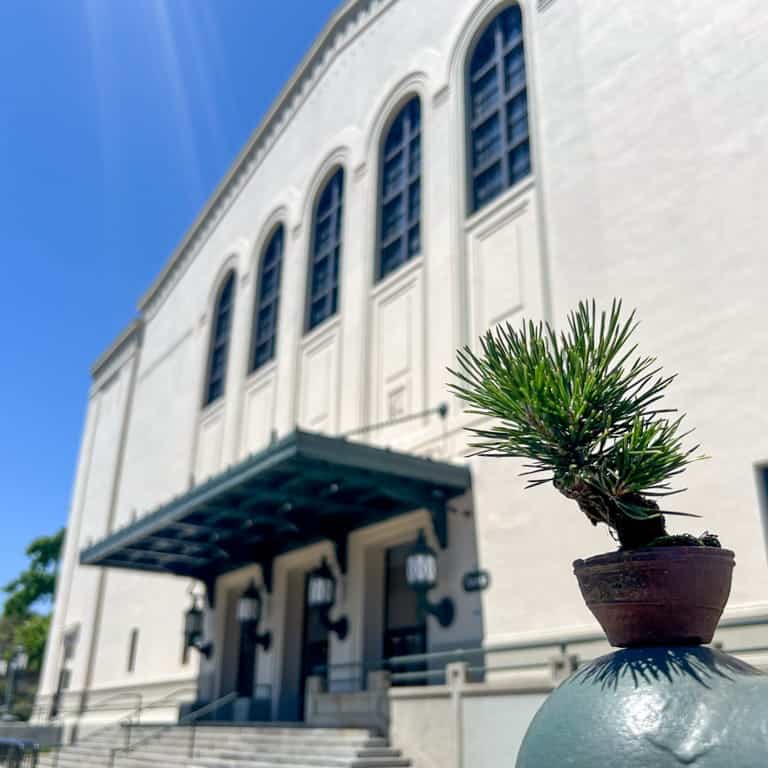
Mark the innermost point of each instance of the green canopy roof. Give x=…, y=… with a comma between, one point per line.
x=301, y=489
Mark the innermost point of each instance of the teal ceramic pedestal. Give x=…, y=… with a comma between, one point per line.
x=654, y=708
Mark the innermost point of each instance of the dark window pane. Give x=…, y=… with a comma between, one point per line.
x=217, y=356
x=414, y=114
x=520, y=161
x=484, y=50
x=393, y=175
x=499, y=145
x=400, y=190
x=414, y=159
x=486, y=142
x=395, y=137
x=485, y=93
x=268, y=302
x=392, y=218
x=414, y=202
x=326, y=251
x=414, y=240
x=514, y=69
x=517, y=119
x=392, y=256
x=511, y=23
x=488, y=185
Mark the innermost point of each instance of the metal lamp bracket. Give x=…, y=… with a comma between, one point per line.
x=444, y=610
x=340, y=627
x=439, y=514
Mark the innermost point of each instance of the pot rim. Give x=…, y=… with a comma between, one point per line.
x=650, y=554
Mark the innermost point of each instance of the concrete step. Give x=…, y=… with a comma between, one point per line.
x=232, y=746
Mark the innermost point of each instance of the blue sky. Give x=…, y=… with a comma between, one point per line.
x=117, y=120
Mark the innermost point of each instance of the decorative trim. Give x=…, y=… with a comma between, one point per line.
x=441, y=96
x=111, y=360
x=345, y=26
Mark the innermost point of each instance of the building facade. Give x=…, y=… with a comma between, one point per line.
x=434, y=167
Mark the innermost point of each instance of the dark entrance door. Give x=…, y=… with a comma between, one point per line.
x=314, y=647
x=246, y=665
x=405, y=629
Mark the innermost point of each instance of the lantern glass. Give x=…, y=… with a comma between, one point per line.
x=421, y=566
x=249, y=606
x=321, y=590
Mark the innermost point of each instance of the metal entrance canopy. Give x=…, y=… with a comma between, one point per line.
x=302, y=489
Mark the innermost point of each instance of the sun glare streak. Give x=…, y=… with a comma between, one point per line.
x=201, y=31
x=169, y=65
x=98, y=31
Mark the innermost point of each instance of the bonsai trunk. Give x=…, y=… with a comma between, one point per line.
x=633, y=532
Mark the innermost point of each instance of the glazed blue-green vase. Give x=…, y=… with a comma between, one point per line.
x=660, y=707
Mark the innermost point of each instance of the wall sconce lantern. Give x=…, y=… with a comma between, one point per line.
x=321, y=595
x=249, y=609
x=193, y=629
x=421, y=576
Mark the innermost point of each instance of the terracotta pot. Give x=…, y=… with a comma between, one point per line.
x=659, y=595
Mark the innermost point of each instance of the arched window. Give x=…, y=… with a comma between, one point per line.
x=400, y=190
x=499, y=146
x=267, y=303
x=220, y=332
x=326, y=252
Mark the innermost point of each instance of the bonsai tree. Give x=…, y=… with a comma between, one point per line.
x=585, y=411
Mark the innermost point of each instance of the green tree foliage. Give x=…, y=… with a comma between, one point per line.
x=22, y=622
x=36, y=582
x=585, y=411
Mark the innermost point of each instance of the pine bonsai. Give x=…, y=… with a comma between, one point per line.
x=586, y=413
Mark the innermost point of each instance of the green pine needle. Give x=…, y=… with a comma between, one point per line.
x=581, y=403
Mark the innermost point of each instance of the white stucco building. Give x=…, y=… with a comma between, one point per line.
x=432, y=168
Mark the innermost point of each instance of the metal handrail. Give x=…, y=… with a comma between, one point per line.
x=99, y=705
x=126, y=721
x=434, y=663
x=15, y=751
x=460, y=654
x=170, y=697
x=190, y=717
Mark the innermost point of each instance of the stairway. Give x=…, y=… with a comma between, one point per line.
x=233, y=746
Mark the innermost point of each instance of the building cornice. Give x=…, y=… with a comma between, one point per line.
x=349, y=21
x=116, y=351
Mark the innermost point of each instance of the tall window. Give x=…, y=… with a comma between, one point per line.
x=326, y=252
x=220, y=332
x=264, y=335
x=400, y=190
x=499, y=145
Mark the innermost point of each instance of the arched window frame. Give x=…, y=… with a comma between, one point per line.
x=399, y=190
x=266, y=304
x=325, y=255
x=221, y=333
x=497, y=99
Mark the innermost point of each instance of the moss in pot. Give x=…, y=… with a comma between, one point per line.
x=585, y=411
